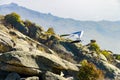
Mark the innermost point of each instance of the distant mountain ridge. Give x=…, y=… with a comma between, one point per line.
x=105, y=32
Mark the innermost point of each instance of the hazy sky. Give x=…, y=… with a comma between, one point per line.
x=77, y=9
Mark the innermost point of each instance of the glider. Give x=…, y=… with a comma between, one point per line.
x=76, y=35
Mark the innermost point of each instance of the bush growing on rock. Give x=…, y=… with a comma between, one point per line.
x=93, y=46
x=88, y=71
x=107, y=55
x=12, y=19
x=117, y=57
x=50, y=31
x=34, y=31
x=15, y=21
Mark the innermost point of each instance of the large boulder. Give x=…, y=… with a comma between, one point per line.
x=32, y=63
x=19, y=69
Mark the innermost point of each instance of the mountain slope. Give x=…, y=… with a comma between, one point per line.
x=27, y=57
x=105, y=32
x=47, y=56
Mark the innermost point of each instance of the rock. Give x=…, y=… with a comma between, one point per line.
x=6, y=42
x=31, y=63
x=111, y=67
x=19, y=69
x=70, y=66
x=92, y=54
x=3, y=28
x=13, y=76
x=117, y=63
x=17, y=33
x=34, y=31
x=51, y=76
x=24, y=43
x=111, y=70
x=21, y=42
x=70, y=78
x=3, y=74
x=61, y=49
x=32, y=78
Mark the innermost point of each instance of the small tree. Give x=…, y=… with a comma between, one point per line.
x=50, y=31
x=93, y=46
x=88, y=71
x=13, y=18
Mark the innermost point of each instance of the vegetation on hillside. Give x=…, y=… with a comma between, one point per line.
x=93, y=46
x=50, y=31
x=117, y=56
x=108, y=55
x=88, y=71
x=13, y=19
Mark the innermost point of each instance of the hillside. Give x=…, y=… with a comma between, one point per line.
x=105, y=32
x=29, y=52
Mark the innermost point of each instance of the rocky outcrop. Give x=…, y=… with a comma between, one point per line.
x=32, y=63
x=25, y=56
x=24, y=43
x=111, y=70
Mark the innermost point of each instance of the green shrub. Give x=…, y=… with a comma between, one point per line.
x=15, y=21
x=107, y=55
x=117, y=57
x=34, y=31
x=94, y=47
x=50, y=31
x=88, y=71
x=12, y=19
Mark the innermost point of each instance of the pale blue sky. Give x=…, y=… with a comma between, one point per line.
x=77, y=9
